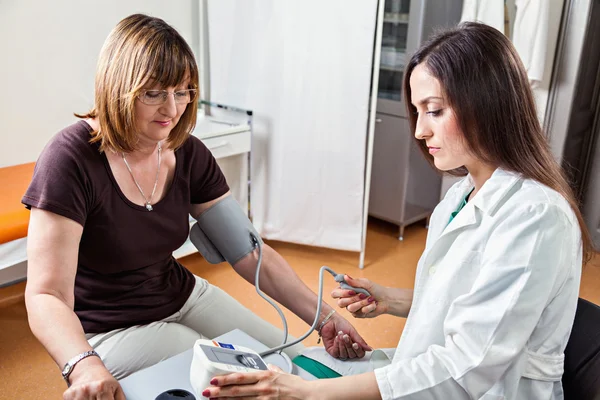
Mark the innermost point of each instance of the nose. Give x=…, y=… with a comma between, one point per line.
x=169, y=107
x=422, y=130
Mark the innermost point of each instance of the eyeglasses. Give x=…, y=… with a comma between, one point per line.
x=159, y=97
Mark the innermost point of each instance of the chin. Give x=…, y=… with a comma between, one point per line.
x=442, y=166
x=160, y=135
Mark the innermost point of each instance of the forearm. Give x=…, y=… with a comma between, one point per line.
x=360, y=387
x=399, y=301
x=56, y=326
x=280, y=281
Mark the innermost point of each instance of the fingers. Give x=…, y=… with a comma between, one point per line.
x=239, y=378
x=343, y=354
x=366, y=305
x=348, y=349
x=359, y=283
x=360, y=345
x=236, y=385
x=120, y=395
x=366, y=312
x=273, y=367
x=95, y=391
x=359, y=350
x=340, y=293
x=355, y=303
x=104, y=396
x=369, y=308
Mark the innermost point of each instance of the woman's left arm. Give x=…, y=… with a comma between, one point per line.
x=280, y=281
x=271, y=385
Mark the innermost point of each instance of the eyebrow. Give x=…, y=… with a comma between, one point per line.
x=428, y=99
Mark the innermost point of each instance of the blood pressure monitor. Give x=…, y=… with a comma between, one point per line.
x=212, y=358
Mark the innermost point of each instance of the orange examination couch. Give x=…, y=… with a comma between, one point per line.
x=14, y=217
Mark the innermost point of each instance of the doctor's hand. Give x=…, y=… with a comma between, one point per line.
x=267, y=385
x=359, y=304
x=341, y=340
x=383, y=300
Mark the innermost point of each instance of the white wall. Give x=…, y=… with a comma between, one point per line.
x=48, y=53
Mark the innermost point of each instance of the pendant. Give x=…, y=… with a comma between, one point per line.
x=149, y=207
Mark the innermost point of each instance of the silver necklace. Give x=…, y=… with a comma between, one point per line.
x=147, y=201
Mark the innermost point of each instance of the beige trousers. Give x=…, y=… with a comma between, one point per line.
x=208, y=313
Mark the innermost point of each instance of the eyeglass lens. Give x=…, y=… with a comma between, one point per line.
x=155, y=97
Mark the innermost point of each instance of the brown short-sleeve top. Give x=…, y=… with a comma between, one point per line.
x=126, y=273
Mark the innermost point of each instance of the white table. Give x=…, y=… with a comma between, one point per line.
x=174, y=373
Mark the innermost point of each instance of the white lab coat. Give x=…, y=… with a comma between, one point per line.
x=530, y=37
x=495, y=297
x=489, y=12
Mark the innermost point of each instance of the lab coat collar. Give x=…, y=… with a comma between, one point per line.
x=488, y=199
x=490, y=195
x=494, y=190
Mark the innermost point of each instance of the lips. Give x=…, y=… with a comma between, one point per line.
x=433, y=150
x=163, y=123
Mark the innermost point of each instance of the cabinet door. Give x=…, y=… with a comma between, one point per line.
x=391, y=147
x=393, y=55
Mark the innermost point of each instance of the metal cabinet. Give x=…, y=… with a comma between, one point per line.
x=404, y=187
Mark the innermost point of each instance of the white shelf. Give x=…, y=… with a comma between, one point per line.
x=207, y=127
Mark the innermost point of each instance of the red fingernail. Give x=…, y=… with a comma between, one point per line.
x=371, y=299
x=362, y=296
x=351, y=293
x=214, y=382
x=206, y=393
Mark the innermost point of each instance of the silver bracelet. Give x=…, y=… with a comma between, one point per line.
x=68, y=368
x=322, y=324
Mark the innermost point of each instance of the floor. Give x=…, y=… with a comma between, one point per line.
x=27, y=372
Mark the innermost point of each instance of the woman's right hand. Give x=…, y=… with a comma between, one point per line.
x=93, y=382
x=360, y=305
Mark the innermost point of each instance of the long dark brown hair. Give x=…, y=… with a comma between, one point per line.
x=485, y=84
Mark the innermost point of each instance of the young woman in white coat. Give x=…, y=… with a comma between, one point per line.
x=496, y=288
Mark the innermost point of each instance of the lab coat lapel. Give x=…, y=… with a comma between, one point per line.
x=486, y=201
x=464, y=218
x=468, y=216
x=440, y=236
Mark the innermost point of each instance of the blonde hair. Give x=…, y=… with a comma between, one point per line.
x=139, y=50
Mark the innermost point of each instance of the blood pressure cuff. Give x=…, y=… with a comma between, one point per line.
x=224, y=233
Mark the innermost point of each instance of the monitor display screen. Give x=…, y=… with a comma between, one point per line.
x=228, y=357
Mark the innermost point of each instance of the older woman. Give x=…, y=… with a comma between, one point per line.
x=110, y=202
